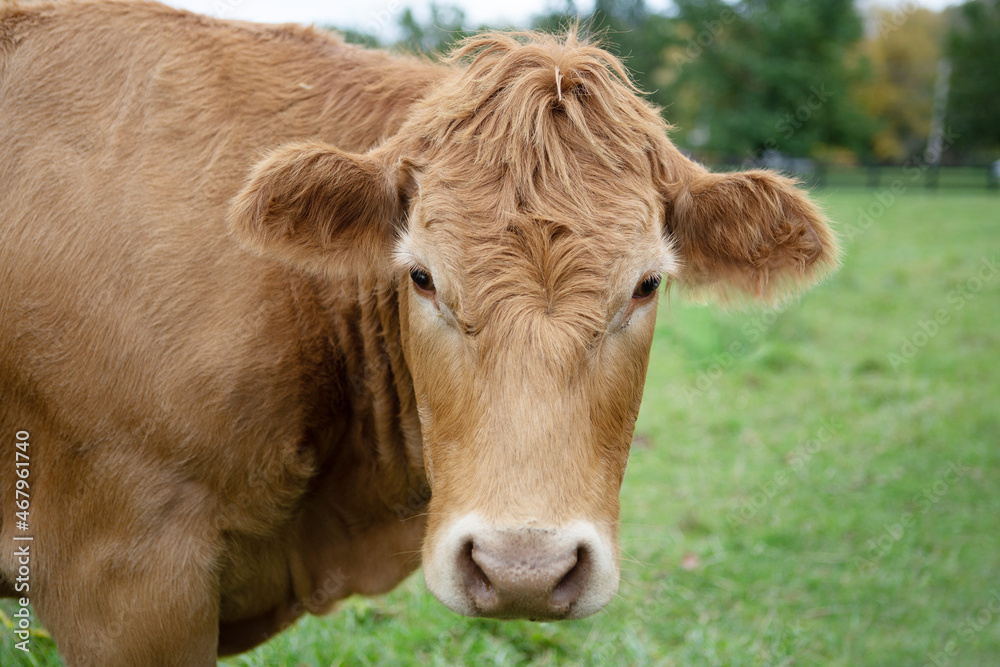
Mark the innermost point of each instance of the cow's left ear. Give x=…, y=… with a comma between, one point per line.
x=748, y=234
x=314, y=206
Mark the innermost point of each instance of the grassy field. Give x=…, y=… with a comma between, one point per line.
x=808, y=487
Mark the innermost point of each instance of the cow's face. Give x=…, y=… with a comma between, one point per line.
x=527, y=334
x=527, y=215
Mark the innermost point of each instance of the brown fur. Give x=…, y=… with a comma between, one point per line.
x=288, y=190
x=751, y=233
x=223, y=439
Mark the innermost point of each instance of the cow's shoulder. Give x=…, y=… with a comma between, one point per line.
x=15, y=20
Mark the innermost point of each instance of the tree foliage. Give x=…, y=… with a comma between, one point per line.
x=766, y=75
x=446, y=27
x=903, y=50
x=974, y=102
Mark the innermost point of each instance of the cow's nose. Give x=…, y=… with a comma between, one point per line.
x=524, y=574
x=522, y=571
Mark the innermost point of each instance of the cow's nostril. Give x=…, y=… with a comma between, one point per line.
x=477, y=584
x=571, y=586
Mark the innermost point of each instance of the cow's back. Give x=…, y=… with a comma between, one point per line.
x=133, y=332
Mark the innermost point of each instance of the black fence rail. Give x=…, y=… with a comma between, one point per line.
x=902, y=177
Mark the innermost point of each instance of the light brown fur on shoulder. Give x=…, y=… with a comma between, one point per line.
x=14, y=20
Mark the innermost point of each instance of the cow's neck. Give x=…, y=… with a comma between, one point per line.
x=361, y=530
x=376, y=382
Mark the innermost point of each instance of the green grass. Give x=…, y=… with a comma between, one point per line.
x=789, y=498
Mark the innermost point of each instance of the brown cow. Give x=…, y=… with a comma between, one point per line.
x=263, y=291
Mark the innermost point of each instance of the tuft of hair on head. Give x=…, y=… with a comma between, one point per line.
x=553, y=65
x=541, y=105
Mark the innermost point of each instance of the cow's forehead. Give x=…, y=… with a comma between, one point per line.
x=465, y=223
x=465, y=201
x=575, y=260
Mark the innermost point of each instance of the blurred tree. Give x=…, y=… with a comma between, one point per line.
x=352, y=36
x=763, y=75
x=445, y=28
x=974, y=99
x=903, y=47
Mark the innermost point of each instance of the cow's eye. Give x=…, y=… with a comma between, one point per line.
x=422, y=279
x=646, y=288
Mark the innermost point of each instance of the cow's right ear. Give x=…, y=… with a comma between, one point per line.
x=748, y=234
x=314, y=206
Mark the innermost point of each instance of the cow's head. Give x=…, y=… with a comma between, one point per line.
x=527, y=213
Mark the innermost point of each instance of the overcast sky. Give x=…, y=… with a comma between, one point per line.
x=381, y=16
